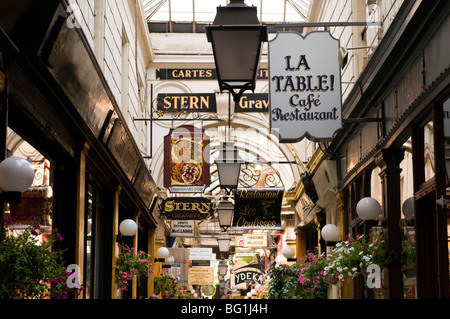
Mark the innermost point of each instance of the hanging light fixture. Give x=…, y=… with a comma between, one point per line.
x=236, y=37
x=224, y=243
x=225, y=212
x=222, y=268
x=228, y=166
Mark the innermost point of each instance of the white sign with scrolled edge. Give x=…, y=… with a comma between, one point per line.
x=305, y=86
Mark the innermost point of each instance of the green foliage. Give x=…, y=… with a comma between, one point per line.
x=131, y=263
x=169, y=288
x=31, y=269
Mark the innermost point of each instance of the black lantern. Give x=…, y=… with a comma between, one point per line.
x=236, y=37
x=228, y=166
x=225, y=212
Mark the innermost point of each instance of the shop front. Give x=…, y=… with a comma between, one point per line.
x=55, y=98
x=402, y=95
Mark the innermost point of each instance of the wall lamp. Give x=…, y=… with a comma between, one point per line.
x=369, y=208
x=289, y=253
x=330, y=233
x=16, y=176
x=164, y=257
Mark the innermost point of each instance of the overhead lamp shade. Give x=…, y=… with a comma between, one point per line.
x=228, y=166
x=169, y=260
x=408, y=208
x=288, y=252
x=330, y=233
x=224, y=243
x=16, y=174
x=162, y=252
x=368, y=208
x=236, y=37
x=225, y=213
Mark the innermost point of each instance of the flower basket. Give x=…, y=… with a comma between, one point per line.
x=331, y=280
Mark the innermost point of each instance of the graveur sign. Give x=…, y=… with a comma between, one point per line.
x=305, y=86
x=253, y=102
x=257, y=208
x=187, y=208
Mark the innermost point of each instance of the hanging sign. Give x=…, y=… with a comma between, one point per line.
x=187, y=102
x=187, y=208
x=305, y=86
x=253, y=102
x=201, y=276
x=196, y=74
x=182, y=228
x=255, y=240
x=186, y=160
x=257, y=208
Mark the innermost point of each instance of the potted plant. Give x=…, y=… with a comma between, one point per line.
x=351, y=257
x=130, y=263
x=31, y=269
x=169, y=288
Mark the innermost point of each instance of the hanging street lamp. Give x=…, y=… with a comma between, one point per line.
x=236, y=37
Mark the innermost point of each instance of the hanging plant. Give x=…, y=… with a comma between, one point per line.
x=31, y=269
x=131, y=263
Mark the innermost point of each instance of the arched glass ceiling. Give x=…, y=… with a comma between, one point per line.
x=204, y=11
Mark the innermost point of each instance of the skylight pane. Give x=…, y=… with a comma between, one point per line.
x=182, y=10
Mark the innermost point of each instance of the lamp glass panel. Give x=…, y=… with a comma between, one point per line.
x=225, y=217
x=237, y=54
x=228, y=174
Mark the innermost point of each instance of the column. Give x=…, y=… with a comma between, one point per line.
x=135, y=245
x=389, y=162
x=81, y=205
x=151, y=252
x=300, y=242
x=115, y=244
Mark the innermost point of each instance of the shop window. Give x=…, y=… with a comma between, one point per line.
x=37, y=201
x=98, y=231
x=447, y=141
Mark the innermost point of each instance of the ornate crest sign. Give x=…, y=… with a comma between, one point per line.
x=305, y=86
x=186, y=160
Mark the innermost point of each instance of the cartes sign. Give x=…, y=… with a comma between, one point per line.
x=187, y=208
x=257, y=208
x=305, y=86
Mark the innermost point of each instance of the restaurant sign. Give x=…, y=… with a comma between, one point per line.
x=305, y=86
x=187, y=208
x=257, y=208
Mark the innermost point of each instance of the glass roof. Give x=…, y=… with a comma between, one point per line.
x=204, y=11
